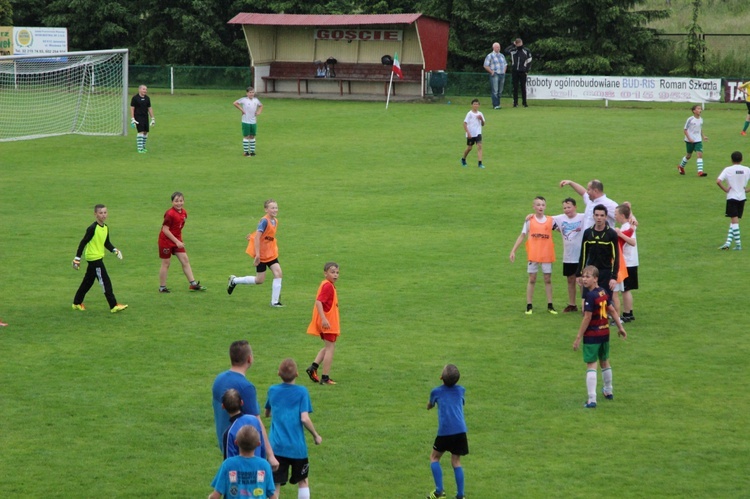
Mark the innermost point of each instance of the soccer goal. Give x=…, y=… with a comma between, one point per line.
x=73, y=92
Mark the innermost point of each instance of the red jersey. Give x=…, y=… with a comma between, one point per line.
x=596, y=301
x=174, y=220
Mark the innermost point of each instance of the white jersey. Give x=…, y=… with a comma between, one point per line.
x=736, y=177
x=693, y=126
x=588, y=221
x=473, y=123
x=572, y=234
x=250, y=106
x=629, y=253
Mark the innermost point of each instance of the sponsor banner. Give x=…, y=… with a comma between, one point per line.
x=39, y=41
x=732, y=93
x=625, y=88
x=6, y=40
x=363, y=35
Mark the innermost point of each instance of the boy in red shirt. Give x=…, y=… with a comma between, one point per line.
x=325, y=323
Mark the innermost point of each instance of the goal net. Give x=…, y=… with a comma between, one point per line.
x=73, y=92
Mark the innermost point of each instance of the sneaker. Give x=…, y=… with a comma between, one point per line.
x=313, y=374
x=79, y=307
x=590, y=405
x=164, y=290
x=328, y=381
x=252, y=153
x=702, y=174
x=481, y=166
x=278, y=304
x=435, y=495
x=624, y=319
x=141, y=151
x=460, y=497
x=197, y=286
x=724, y=247
x=463, y=162
x=570, y=308
x=231, y=285
x=608, y=396
x=681, y=169
x=496, y=107
x=743, y=133
x=529, y=311
x=737, y=248
x=118, y=308
x=246, y=154
x=551, y=310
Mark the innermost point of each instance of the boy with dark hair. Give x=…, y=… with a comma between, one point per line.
x=289, y=406
x=92, y=247
x=325, y=324
x=733, y=180
x=451, y=435
x=600, y=249
x=245, y=475
x=629, y=253
x=473, y=124
x=594, y=331
x=232, y=403
x=570, y=225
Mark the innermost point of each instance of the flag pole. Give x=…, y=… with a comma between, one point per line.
x=390, y=84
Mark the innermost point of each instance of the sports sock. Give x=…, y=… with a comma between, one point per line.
x=700, y=164
x=252, y=146
x=747, y=123
x=303, y=493
x=275, y=290
x=145, y=138
x=437, y=475
x=736, y=233
x=245, y=145
x=683, y=162
x=139, y=141
x=591, y=384
x=248, y=279
x=607, y=379
x=730, y=235
x=459, y=474
x=314, y=365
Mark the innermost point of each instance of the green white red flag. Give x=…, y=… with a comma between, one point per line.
x=397, y=66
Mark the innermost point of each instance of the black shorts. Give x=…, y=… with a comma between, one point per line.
x=735, y=208
x=456, y=444
x=631, y=281
x=569, y=269
x=470, y=141
x=143, y=123
x=300, y=470
x=262, y=266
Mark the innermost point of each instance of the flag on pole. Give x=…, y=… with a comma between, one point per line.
x=397, y=66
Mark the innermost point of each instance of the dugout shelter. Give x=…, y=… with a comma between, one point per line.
x=286, y=51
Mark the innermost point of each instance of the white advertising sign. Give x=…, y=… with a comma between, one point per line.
x=39, y=41
x=624, y=88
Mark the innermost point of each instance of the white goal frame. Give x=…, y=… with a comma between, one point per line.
x=68, y=93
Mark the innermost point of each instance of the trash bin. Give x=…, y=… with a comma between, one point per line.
x=438, y=82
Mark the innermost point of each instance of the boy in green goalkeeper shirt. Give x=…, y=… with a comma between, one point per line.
x=92, y=248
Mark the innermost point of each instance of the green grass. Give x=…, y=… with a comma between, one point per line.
x=96, y=404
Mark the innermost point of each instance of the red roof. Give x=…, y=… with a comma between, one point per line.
x=322, y=19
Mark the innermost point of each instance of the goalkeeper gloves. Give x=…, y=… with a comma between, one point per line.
x=133, y=123
x=76, y=263
x=117, y=253
x=153, y=122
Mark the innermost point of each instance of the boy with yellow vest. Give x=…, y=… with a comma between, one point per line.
x=263, y=249
x=540, y=250
x=325, y=324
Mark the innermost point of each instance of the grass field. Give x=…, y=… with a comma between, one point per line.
x=119, y=405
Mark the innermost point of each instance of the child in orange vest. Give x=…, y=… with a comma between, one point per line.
x=325, y=324
x=540, y=250
x=265, y=253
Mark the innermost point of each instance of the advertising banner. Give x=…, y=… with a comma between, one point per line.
x=732, y=93
x=39, y=41
x=6, y=40
x=624, y=88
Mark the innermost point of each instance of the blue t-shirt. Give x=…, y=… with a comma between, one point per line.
x=287, y=402
x=450, y=402
x=222, y=383
x=243, y=420
x=243, y=477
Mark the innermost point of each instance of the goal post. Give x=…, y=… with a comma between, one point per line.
x=69, y=93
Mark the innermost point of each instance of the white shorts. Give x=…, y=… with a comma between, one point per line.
x=534, y=268
x=620, y=286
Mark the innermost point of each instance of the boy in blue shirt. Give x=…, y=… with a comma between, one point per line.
x=244, y=475
x=289, y=406
x=451, y=436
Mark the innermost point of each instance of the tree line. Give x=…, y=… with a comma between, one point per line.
x=602, y=37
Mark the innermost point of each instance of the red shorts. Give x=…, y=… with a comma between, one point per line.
x=329, y=337
x=166, y=252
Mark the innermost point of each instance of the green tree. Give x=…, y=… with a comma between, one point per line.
x=6, y=13
x=696, y=44
x=92, y=24
x=28, y=12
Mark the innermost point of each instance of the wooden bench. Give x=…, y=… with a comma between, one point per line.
x=345, y=73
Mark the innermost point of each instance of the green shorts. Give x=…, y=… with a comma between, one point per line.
x=595, y=351
x=249, y=129
x=693, y=146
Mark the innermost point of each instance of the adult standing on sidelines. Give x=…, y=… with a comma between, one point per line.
x=520, y=65
x=593, y=195
x=736, y=178
x=140, y=111
x=250, y=107
x=496, y=65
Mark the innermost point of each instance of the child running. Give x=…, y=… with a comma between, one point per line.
x=264, y=251
x=473, y=124
x=325, y=324
x=170, y=243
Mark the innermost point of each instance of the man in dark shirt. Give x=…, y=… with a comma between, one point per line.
x=520, y=65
